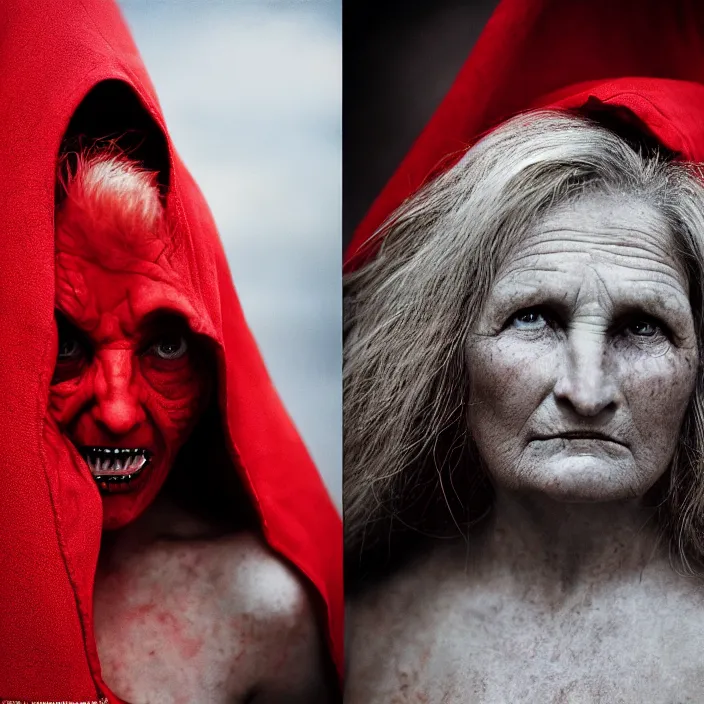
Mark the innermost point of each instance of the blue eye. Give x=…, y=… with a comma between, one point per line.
x=528, y=319
x=643, y=328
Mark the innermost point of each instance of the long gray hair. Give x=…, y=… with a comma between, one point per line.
x=409, y=465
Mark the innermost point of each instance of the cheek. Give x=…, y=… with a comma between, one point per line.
x=175, y=394
x=508, y=380
x=657, y=391
x=68, y=398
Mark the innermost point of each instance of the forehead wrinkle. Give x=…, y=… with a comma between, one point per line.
x=134, y=292
x=128, y=265
x=112, y=324
x=113, y=248
x=66, y=283
x=615, y=241
x=74, y=298
x=141, y=272
x=602, y=287
x=618, y=221
x=86, y=312
x=647, y=254
x=525, y=278
x=665, y=276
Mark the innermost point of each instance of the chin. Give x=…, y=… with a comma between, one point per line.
x=587, y=479
x=120, y=509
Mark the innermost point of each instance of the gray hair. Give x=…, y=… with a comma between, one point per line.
x=407, y=447
x=108, y=191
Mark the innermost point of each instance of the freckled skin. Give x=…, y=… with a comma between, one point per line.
x=454, y=630
x=565, y=594
x=589, y=369
x=203, y=617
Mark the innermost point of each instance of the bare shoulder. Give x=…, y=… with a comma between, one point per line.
x=275, y=602
x=249, y=618
x=261, y=582
x=256, y=584
x=243, y=572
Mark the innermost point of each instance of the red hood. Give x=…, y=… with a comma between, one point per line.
x=54, y=52
x=646, y=56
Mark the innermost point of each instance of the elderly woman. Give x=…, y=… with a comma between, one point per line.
x=523, y=418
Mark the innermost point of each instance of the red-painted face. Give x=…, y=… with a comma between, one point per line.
x=129, y=384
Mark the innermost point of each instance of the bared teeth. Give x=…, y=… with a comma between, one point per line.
x=115, y=465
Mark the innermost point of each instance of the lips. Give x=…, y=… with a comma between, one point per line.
x=116, y=469
x=581, y=435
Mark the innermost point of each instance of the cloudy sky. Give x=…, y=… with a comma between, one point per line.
x=252, y=94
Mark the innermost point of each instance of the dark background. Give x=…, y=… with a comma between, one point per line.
x=399, y=59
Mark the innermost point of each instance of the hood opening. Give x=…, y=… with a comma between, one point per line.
x=203, y=481
x=111, y=117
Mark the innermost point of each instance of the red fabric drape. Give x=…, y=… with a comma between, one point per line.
x=643, y=55
x=52, y=53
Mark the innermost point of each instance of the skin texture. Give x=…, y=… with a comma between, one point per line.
x=185, y=614
x=111, y=387
x=127, y=375
x=565, y=594
x=588, y=330
x=454, y=628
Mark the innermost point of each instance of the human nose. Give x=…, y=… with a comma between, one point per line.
x=118, y=408
x=585, y=381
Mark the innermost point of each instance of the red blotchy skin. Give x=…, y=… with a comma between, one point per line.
x=115, y=287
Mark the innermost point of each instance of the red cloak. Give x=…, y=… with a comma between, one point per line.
x=53, y=54
x=641, y=59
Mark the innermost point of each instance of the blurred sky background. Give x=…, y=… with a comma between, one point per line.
x=252, y=94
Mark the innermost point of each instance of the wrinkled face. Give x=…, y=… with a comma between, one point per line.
x=128, y=384
x=585, y=356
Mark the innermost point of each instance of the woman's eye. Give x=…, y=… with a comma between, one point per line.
x=69, y=350
x=71, y=357
x=169, y=348
x=529, y=319
x=643, y=328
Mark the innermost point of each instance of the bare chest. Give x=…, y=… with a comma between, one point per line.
x=461, y=642
x=168, y=629
x=203, y=615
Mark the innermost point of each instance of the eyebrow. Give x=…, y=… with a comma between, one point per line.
x=648, y=298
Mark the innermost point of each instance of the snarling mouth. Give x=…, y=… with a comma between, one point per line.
x=114, y=468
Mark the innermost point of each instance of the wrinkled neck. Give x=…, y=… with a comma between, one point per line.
x=569, y=544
